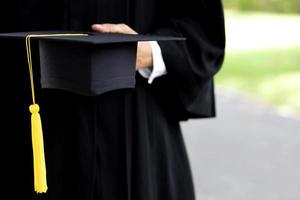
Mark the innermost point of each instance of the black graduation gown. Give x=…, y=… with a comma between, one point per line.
x=124, y=144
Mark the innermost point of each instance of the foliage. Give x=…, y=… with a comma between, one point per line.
x=284, y=6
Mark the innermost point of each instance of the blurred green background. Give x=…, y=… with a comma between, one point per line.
x=287, y=6
x=263, y=51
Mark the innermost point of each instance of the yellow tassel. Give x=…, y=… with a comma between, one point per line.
x=40, y=180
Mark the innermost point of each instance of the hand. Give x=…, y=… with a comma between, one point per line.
x=144, y=52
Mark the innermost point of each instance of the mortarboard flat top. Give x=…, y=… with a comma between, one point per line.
x=89, y=65
x=91, y=38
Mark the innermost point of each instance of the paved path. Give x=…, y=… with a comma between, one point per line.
x=250, y=152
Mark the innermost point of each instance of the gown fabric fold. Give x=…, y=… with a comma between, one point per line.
x=124, y=144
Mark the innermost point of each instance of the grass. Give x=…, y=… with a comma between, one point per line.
x=270, y=74
x=263, y=57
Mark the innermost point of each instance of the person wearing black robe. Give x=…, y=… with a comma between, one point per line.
x=124, y=144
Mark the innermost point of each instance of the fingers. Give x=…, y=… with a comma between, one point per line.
x=106, y=28
x=113, y=28
x=144, y=51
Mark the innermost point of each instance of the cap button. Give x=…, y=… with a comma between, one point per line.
x=34, y=108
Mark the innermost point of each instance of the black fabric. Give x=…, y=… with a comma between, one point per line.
x=105, y=157
x=125, y=144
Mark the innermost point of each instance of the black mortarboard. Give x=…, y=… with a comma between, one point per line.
x=84, y=63
x=87, y=64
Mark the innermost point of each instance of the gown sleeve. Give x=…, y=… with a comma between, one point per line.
x=191, y=64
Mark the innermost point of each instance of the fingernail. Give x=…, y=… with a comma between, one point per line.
x=96, y=25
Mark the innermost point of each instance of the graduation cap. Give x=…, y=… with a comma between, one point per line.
x=86, y=63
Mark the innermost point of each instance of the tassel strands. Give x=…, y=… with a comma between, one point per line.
x=40, y=181
x=39, y=164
